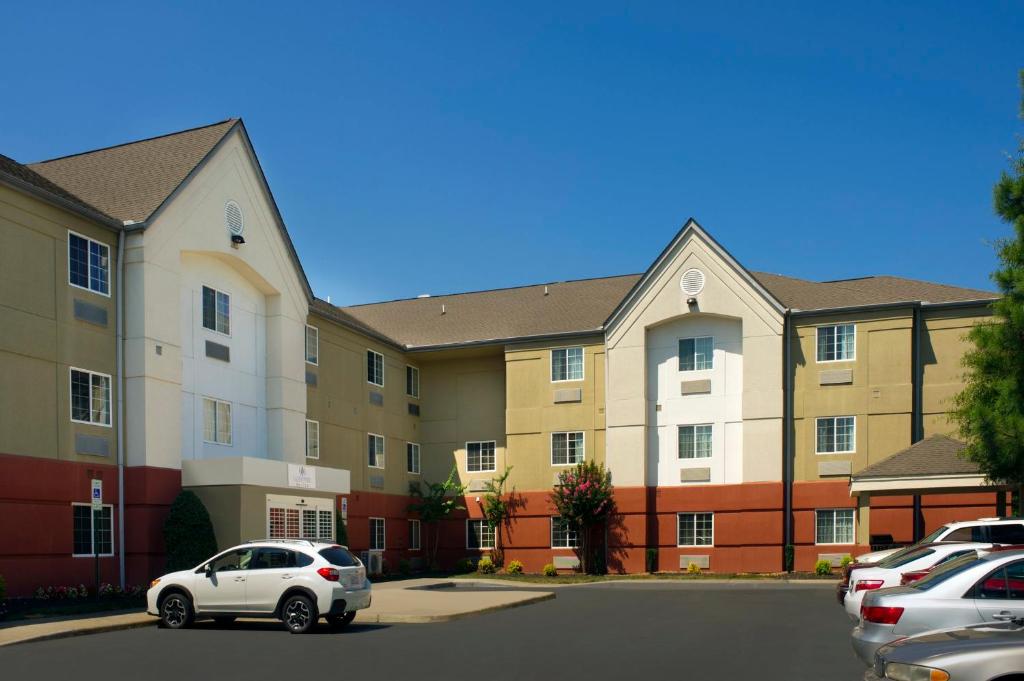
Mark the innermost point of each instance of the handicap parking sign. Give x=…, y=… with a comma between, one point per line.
x=97, y=495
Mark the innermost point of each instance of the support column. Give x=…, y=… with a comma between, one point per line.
x=864, y=519
x=918, y=519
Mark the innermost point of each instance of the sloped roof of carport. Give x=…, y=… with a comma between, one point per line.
x=935, y=455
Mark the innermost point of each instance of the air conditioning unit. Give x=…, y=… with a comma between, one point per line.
x=374, y=562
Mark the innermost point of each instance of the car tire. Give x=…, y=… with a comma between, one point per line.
x=339, y=621
x=224, y=619
x=299, y=614
x=176, y=611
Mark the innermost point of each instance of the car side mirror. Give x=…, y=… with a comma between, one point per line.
x=208, y=570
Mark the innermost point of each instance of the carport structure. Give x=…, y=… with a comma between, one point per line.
x=931, y=470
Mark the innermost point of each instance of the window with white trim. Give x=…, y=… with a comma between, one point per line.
x=375, y=368
x=835, y=434
x=90, y=397
x=412, y=381
x=412, y=457
x=833, y=526
x=479, y=535
x=414, y=534
x=88, y=264
x=92, y=531
x=696, y=529
x=562, y=535
x=312, y=439
x=216, y=421
x=566, y=364
x=480, y=456
x=375, y=450
x=312, y=345
x=695, y=441
x=837, y=343
x=377, y=534
x=567, y=449
x=696, y=354
x=216, y=310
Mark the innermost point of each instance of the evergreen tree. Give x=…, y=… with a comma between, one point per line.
x=188, y=533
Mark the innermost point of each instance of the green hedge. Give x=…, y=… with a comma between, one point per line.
x=188, y=533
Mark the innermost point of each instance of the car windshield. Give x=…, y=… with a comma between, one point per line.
x=904, y=557
x=340, y=556
x=934, y=536
x=945, y=571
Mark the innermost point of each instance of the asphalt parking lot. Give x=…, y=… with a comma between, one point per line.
x=640, y=630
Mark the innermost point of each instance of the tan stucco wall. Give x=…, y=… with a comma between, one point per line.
x=942, y=350
x=39, y=335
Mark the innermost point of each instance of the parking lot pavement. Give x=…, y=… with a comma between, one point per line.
x=646, y=630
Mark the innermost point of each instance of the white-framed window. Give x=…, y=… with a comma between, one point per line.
x=216, y=421
x=412, y=381
x=479, y=535
x=563, y=536
x=312, y=345
x=835, y=435
x=567, y=449
x=88, y=264
x=92, y=531
x=566, y=364
x=375, y=368
x=833, y=526
x=480, y=456
x=837, y=343
x=312, y=439
x=695, y=441
x=697, y=354
x=317, y=525
x=90, y=397
x=414, y=534
x=374, y=450
x=696, y=529
x=412, y=457
x=377, y=539
x=216, y=310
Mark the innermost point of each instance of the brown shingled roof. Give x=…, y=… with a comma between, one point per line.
x=801, y=294
x=936, y=455
x=130, y=181
x=24, y=176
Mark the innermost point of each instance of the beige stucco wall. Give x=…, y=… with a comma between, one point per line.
x=942, y=349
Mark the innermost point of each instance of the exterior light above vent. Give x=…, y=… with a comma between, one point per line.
x=233, y=219
x=692, y=282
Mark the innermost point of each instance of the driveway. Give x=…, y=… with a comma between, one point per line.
x=640, y=630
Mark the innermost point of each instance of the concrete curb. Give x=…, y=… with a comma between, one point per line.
x=81, y=631
x=429, y=619
x=526, y=586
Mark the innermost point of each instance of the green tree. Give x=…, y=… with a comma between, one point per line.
x=584, y=499
x=188, y=533
x=990, y=409
x=340, y=529
x=433, y=503
x=497, y=508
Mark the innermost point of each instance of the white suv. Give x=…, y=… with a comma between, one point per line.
x=295, y=581
x=984, y=530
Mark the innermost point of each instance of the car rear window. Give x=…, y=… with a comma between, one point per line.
x=944, y=571
x=1007, y=534
x=340, y=556
x=901, y=558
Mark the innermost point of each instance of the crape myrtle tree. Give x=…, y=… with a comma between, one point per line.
x=497, y=507
x=584, y=499
x=990, y=409
x=433, y=503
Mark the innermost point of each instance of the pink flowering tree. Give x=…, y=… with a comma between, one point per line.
x=584, y=499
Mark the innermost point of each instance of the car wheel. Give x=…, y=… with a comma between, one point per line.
x=299, y=614
x=176, y=611
x=225, y=619
x=339, y=621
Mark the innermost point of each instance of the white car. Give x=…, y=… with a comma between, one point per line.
x=295, y=581
x=986, y=530
x=889, y=571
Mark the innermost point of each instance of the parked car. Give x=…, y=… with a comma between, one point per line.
x=295, y=581
x=979, y=653
x=889, y=571
x=959, y=593
x=985, y=530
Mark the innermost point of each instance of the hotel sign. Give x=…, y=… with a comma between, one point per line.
x=301, y=476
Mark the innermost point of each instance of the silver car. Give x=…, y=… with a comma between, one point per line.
x=959, y=593
x=979, y=653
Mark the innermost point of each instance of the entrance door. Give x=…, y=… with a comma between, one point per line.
x=222, y=587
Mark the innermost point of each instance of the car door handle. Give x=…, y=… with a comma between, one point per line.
x=239, y=579
x=1003, y=616
x=287, y=576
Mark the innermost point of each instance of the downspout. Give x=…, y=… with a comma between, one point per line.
x=916, y=406
x=787, y=436
x=119, y=324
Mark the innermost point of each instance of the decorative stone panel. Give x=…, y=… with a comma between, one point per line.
x=694, y=474
x=87, y=312
x=827, y=468
x=568, y=395
x=703, y=561
x=695, y=387
x=835, y=377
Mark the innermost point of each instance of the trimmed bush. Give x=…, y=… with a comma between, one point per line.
x=340, y=530
x=823, y=568
x=3, y=588
x=652, y=560
x=465, y=565
x=845, y=561
x=404, y=567
x=550, y=570
x=514, y=568
x=188, y=533
x=486, y=566
x=693, y=568
x=787, y=557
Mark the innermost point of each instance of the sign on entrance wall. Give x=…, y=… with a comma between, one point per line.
x=344, y=508
x=97, y=495
x=301, y=476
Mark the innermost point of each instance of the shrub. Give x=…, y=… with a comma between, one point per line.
x=652, y=560
x=514, y=568
x=787, y=557
x=464, y=565
x=486, y=566
x=188, y=533
x=823, y=567
x=340, y=529
x=404, y=567
x=385, y=567
x=3, y=588
x=693, y=568
x=550, y=570
x=846, y=561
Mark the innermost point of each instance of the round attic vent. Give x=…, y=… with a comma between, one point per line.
x=233, y=218
x=692, y=282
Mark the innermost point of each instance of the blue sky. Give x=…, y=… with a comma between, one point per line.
x=440, y=147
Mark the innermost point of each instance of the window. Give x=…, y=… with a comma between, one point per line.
x=412, y=381
x=836, y=434
x=1006, y=582
x=567, y=448
x=276, y=559
x=479, y=535
x=480, y=456
x=969, y=533
x=376, y=534
x=317, y=524
x=216, y=310
x=238, y=559
x=834, y=526
x=312, y=345
x=88, y=264
x=567, y=364
x=93, y=531
x=90, y=397
x=375, y=368
x=696, y=354
x=414, y=535
x=563, y=536
x=695, y=442
x=375, y=451
x=837, y=343
x=412, y=457
x=216, y=421
x=340, y=556
x=283, y=523
x=1007, y=534
x=312, y=439
x=696, y=529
